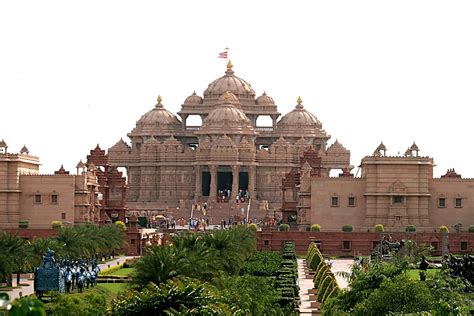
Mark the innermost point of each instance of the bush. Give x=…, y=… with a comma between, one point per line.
x=471, y=229
x=284, y=227
x=253, y=227
x=23, y=224
x=56, y=224
x=347, y=228
x=443, y=229
x=410, y=228
x=121, y=224
x=379, y=228
x=315, y=228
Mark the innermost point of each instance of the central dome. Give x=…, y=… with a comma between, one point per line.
x=227, y=117
x=229, y=82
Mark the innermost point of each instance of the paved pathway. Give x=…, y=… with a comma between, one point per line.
x=27, y=290
x=304, y=284
x=341, y=265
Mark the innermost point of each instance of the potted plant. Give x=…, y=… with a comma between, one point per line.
x=23, y=224
x=315, y=228
x=410, y=228
x=443, y=229
x=379, y=228
x=347, y=228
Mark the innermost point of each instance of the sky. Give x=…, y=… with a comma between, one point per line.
x=74, y=74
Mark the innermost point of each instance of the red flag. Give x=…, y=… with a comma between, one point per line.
x=222, y=55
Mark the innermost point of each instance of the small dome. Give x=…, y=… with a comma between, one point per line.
x=264, y=99
x=298, y=118
x=229, y=82
x=227, y=118
x=157, y=119
x=193, y=99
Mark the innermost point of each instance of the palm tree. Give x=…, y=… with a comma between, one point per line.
x=14, y=256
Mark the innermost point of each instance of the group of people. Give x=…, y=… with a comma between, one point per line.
x=225, y=196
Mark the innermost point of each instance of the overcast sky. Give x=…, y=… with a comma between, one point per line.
x=74, y=74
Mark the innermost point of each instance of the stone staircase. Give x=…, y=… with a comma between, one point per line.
x=309, y=305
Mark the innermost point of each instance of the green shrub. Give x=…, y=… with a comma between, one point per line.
x=253, y=227
x=410, y=228
x=379, y=228
x=263, y=263
x=320, y=276
x=121, y=224
x=324, y=284
x=471, y=229
x=23, y=224
x=347, y=228
x=315, y=228
x=284, y=227
x=56, y=224
x=443, y=229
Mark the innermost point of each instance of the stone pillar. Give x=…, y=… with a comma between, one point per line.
x=252, y=176
x=198, y=181
x=235, y=181
x=274, y=120
x=213, y=189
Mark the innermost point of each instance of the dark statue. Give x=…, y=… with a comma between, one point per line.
x=64, y=276
x=385, y=249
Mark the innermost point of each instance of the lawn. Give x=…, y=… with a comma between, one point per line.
x=114, y=288
x=121, y=273
x=414, y=274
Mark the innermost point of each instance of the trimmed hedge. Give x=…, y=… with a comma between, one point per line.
x=315, y=228
x=443, y=229
x=410, y=228
x=379, y=228
x=347, y=228
x=284, y=227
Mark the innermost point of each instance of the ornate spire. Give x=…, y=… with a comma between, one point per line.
x=299, y=105
x=229, y=70
x=158, y=100
x=61, y=171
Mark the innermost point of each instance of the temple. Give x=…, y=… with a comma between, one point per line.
x=171, y=165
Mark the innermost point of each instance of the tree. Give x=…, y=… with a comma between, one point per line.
x=14, y=256
x=174, y=297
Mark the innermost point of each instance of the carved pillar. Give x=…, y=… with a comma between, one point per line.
x=198, y=182
x=252, y=176
x=235, y=180
x=213, y=190
x=274, y=121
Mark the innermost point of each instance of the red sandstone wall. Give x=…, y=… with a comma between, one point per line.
x=360, y=243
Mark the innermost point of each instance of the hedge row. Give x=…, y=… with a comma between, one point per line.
x=324, y=280
x=287, y=277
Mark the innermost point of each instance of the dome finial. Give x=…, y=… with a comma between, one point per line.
x=159, y=99
x=299, y=100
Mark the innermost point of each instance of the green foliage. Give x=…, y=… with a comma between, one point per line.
x=249, y=295
x=91, y=302
x=253, y=227
x=56, y=224
x=379, y=228
x=320, y=274
x=471, y=229
x=347, y=228
x=27, y=306
x=448, y=293
x=263, y=264
x=410, y=228
x=121, y=224
x=23, y=224
x=14, y=254
x=174, y=297
x=315, y=228
x=284, y=227
x=396, y=295
x=443, y=229
x=327, y=282
x=313, y=256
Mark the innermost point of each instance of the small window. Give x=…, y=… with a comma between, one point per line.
x=266, y=242
x=63, y=215
x=458, y=202
x=334, y=201
x=398, y=218
x=38, y=199
x=346, y=245
x=397, y=199
x=54, y=199
x=435, y=245
x=442, y=202
x=463, y=245
x=132, y=242
x=351, y=201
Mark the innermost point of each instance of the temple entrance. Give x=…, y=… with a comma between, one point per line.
x=224, y=180
x=243, y=180
x=206, y=183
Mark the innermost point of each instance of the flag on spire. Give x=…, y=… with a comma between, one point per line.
x=222, y=55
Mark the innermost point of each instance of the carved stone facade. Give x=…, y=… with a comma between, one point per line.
x=171, y=164
x=392, y=190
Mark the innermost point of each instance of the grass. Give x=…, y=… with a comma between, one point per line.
x=114, y=288
x=414, y=274
x=121, y=273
